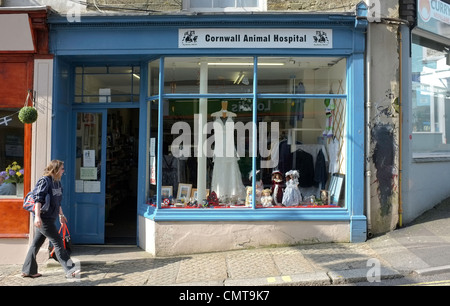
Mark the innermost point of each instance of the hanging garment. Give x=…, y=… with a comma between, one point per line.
x=305, y=166
x=320, y=170
x=281, y=154
x=226, y=178
x=170, y=171
x=329, y=112
x=333, y=149
x=299, y=105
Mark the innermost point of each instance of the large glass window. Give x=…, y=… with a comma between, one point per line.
x=208, y=135
x=107, y=84
x=11, y=154
x=430, y=98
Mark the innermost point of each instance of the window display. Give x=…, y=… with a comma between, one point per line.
x=430, y=98
x=12, y=154
x=217, y=133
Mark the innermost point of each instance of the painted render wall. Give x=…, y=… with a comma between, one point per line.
x=383, y=94
x=178, y=238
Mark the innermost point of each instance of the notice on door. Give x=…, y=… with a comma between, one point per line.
x=88, y=158
x=88, y=173
x=87, y=186
x=91, y=186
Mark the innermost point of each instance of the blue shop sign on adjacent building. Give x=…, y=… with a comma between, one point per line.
x=434, y=16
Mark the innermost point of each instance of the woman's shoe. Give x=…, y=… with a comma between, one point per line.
x=32, y=275
x=73, y=274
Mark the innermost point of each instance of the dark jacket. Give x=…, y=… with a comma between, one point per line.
x=46, y=185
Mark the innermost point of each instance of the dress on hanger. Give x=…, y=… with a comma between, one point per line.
x=226, y=178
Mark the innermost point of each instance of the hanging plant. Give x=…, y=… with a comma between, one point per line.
x=28, y=114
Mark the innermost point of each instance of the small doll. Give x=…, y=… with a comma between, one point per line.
x=292, y=195
x=266, y=199
x=258, y=185
x=212, y=199
x=277, y=187
x=248, y=198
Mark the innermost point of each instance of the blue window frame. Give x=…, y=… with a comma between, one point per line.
x=256, y=98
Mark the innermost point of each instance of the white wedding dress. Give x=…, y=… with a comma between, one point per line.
x=226, y=178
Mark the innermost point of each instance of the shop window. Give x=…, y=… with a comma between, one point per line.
x=208, y=135
x=222, y=75
x=107, y=84
x=224, y=5
x=430, y=99
x=301, y=75
x=11, y=154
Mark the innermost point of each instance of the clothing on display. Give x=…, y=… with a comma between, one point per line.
x=329, y=111
x=170, y=173
x=333, y=150
x=305, y=165
x=299, y=104
x=320, y=170
x=226, y=177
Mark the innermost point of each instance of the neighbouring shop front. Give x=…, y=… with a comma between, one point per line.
x=427, y=124
x=211, y=132
x=23, y=47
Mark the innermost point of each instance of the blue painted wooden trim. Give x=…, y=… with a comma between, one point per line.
x=355, y=146
x=143, y=144
x=248, y=214
x=160, y=133
x=144, y=37
x=250, y=96
x=255, y=130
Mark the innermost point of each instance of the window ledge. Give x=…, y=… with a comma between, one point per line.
x=247, y=214
x=431, y=157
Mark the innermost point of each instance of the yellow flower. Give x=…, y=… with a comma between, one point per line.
x=18, y=173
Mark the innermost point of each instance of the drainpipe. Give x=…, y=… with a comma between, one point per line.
x=368, y=138
x=400, y=112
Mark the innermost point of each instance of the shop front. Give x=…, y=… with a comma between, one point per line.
x=23, y=48
x=211, y=132
x=427, y=125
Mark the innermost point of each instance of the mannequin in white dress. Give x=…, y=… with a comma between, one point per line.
x=226, y=178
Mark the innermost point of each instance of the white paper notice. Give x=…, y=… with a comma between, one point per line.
x=91, y=186
x=88, y=158
x=88, y=173
x=79, y=186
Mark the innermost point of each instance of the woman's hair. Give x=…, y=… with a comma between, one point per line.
x=53, y=168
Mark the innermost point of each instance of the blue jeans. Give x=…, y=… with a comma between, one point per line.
x=50, y=231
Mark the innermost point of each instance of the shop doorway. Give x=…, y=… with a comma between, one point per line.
x=121, y=176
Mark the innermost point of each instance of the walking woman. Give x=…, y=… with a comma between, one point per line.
x=44, y=222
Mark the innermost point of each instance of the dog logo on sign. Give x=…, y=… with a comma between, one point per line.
x=189, y=38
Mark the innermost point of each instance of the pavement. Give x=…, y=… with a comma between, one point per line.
x=421, y=248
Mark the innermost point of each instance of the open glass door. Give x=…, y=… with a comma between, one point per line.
x=88, y=207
